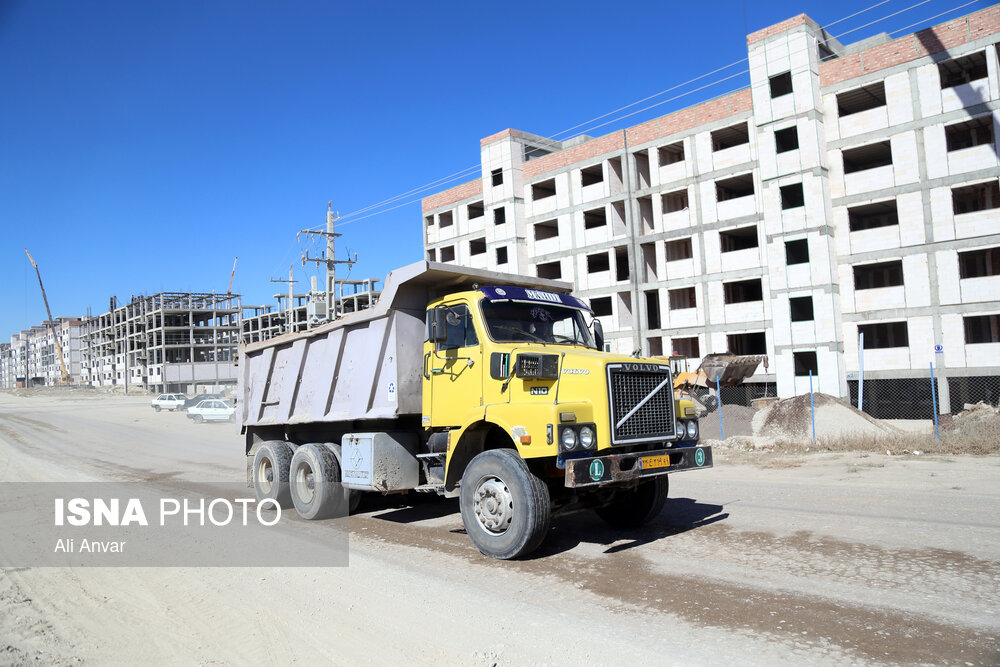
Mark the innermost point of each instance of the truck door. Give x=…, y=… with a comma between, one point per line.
x=453, y=372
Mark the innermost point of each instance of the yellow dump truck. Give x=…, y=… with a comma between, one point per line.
x=489, y=387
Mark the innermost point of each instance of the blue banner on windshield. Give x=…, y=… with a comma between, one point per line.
x=532, y=296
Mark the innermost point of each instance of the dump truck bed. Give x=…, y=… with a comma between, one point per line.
x=363, y=366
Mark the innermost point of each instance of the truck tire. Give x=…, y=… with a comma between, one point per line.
x=636, y=507
x=505, y=508
x=314, y=479
x=271, y=465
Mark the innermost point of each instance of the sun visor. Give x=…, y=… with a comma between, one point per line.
x=499, y=294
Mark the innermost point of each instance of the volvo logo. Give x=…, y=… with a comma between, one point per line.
x=641, y=367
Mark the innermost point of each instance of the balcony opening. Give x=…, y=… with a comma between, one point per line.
x=652, y=309
x=734, y=187
x=871, y=216
x=801, y=308
x=792, y=196
x=618, y=217
x=429, y=220
x=499, y=215
x=477, y=247
x=861, y=99
x=728, y=137
x=595, y=218
x=646, y=214
x=805, y=364
x=621, y=264
x=448, y=253
x=797, y=252
x=534, y=152
x=686, y=347
x=592, y=175
x=476, y=210
x=682, y=298
x=743, y=238
x=963, y=70
x=446, y=219
x=978, y=197
x=601, y=306
x=871, y=156
x=679, y=249
x=432, y=255
x=651, y=270
x=874, y=276
x=747, y=343
x=501, y=255
x=496, y=176
x=624, y=309
x=655, y=346
x=781, y=84
x=883, y=335
x=982, y=329
x=671, y=153
x=743, y=291
x=543, y=190
x=786, y=140
x=641, y=159
x=598, y=263
x=969, y=133
x=546, y=230
x=550, y=270
x=615, y=181
x=979, y=263
x=673, y=202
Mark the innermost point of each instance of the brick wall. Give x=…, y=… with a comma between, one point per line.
x=500, y=135
x=926, y=42
x=778, y=28
x=606, y=144
x=452, y=195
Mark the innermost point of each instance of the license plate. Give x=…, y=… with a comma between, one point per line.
x=647, y=462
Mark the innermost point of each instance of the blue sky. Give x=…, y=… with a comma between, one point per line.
x=144, y=145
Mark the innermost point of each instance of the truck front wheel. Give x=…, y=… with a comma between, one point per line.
x=636, y=507
x=315, y=483
x=505, y=508
x=271, y=465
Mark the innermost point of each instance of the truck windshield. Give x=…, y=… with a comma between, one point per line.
x=514, y=322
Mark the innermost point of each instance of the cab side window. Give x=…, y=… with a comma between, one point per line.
x=461, y=332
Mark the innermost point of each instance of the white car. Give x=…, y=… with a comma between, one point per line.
x=168, y=401
x=212, y=409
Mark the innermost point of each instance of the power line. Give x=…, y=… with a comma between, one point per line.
x=949, y=11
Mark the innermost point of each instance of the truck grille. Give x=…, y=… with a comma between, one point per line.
x=649, y=387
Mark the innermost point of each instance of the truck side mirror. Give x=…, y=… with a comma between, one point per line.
x=599, y=335
x=437, y=325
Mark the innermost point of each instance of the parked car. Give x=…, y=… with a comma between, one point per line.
x=169, y=401
x=212, y=409
x=191, y=402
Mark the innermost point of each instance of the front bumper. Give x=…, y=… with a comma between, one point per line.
x=599, y=471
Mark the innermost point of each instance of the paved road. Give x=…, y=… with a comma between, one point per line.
x=829, y=558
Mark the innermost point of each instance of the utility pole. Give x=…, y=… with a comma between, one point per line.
x=328, y=260
x=291, y=297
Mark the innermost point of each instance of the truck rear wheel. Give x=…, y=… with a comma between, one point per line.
x=636, y=507
x=314, y=479
x=271, y=465
x=505, y=508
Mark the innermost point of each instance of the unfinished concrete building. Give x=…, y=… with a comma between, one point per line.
x=851, y=189
x=168, y=342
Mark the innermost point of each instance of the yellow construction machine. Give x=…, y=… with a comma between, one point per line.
x=714, y=372
x=66, y=377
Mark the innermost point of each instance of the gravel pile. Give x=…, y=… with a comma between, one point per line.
x=790, y=419
x=736, y=420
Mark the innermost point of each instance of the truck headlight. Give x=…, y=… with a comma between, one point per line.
x=568, y=439
x=587, y=437
x=692, y=430
x=679, y=429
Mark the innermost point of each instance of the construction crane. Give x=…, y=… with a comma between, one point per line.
x=231, y=276
x=66, y=378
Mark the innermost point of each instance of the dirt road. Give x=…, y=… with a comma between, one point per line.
x=831, y=558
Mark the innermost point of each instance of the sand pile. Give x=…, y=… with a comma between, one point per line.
x=790, y=419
